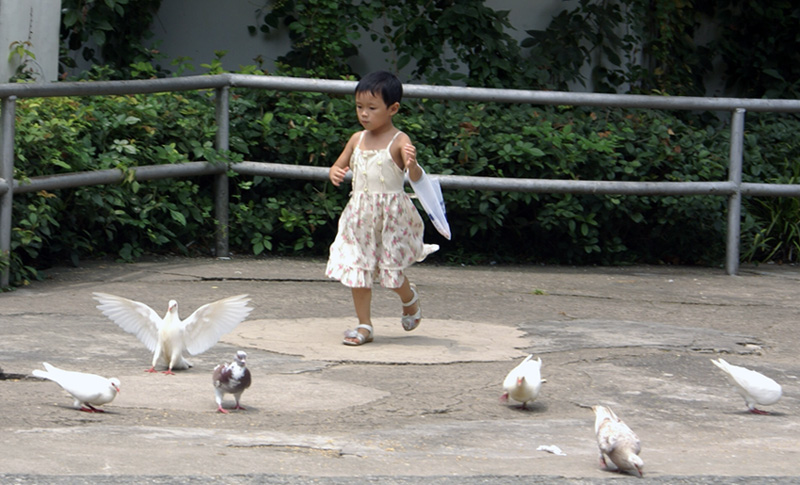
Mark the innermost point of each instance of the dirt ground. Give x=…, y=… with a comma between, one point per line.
x=419, y=404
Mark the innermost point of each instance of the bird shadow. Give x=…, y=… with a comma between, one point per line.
x=83, y=412
x=769, y=414
x=535, y=407
x=415, y=341
x=232, y=411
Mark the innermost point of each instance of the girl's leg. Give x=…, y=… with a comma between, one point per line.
x=362, y=300
x=406, y=295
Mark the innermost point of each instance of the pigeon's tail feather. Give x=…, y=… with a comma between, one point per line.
x=50, y=373
x=722, y=364
x=219, y=394
x=41, y=373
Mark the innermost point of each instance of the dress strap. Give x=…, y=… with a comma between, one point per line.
x=392, y=140
x=361, y=139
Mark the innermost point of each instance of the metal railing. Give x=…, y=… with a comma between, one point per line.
x=733, y=188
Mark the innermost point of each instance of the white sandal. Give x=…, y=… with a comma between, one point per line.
x=410, y=322
x=360, y=338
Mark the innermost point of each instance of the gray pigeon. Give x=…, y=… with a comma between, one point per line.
x=89, y=390
x=170, y=336
x=231, y=378
x=617, y=441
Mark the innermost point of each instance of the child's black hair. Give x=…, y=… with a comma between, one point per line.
x=382, y=83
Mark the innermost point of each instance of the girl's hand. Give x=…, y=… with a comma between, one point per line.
x=410, y=152
x=410, y=161
x=336, y=174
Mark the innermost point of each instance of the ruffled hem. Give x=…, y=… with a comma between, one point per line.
x=365, y=278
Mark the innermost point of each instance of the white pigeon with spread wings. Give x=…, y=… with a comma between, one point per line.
x=617, y=441
x=89, y=390
x=524, y=381
x=755, y=388
x=169, y=337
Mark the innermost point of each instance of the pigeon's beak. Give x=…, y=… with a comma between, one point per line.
x=520, y=380
x=116, y=387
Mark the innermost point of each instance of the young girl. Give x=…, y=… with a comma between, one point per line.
x=380, y=230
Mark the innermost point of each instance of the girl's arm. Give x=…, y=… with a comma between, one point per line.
x=408, y=155
x=342, y=164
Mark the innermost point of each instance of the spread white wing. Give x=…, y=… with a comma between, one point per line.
x=211, y=321
x=132, y=316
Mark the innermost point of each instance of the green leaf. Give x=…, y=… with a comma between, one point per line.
x=178, y=217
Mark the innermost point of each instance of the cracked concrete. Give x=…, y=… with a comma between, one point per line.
x=410, y=407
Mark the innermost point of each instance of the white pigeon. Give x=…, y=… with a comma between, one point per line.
x=89, y=390
x=231, y=378
x=617, y=441
x=755, y=388
x=170, y=336
x=524, y=381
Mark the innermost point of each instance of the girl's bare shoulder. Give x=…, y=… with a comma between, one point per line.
x=398, y=144
x=355, y=137
x=402, y=139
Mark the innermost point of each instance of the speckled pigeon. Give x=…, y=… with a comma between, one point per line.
x=617, y=441
x=231, y=378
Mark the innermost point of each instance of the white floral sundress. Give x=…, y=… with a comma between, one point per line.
x=380, y=231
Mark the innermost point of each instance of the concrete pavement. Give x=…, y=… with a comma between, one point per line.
x=418, y=407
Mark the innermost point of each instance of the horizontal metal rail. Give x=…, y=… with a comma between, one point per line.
x=221, y=84
x=519, y=96
x=453, y=182
x=465, y=182
x=454, y=93
x=109, y=88
x=115, y=176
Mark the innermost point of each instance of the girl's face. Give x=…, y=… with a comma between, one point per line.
x=373, y=114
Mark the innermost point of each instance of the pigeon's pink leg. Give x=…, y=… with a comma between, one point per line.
x=169, y=372
x=758, y=411
x=91, y=409
x=151, y=370
x=222, y=410
x=238, y=406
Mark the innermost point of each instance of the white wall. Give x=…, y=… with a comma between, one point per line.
x=195, y=28
x=35, y=23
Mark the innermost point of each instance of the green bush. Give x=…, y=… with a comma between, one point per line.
x=771, y=226
x=280, y=216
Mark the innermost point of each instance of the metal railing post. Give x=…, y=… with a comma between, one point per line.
x=221, y=188
x=7, y=115
x=735, y=199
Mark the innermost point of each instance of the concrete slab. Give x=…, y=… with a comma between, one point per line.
x=418, y=407
x=441, y=342
x=268, y=394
